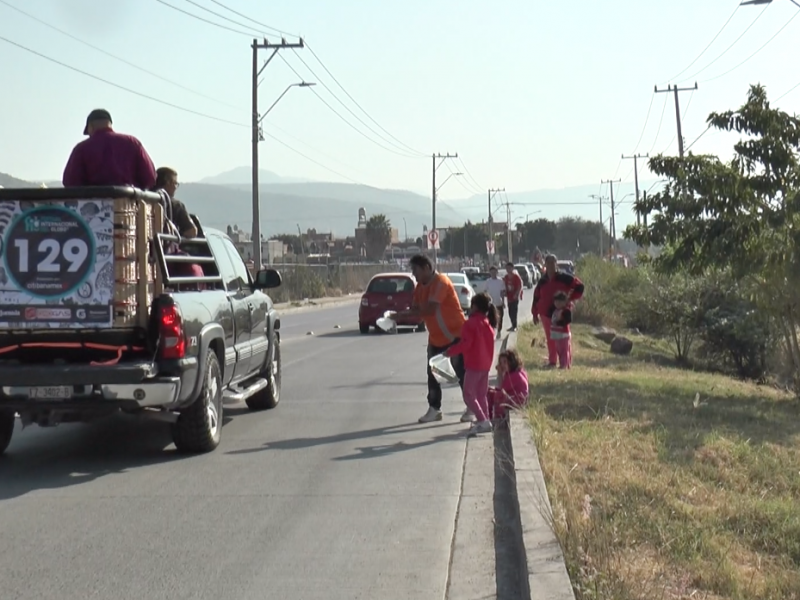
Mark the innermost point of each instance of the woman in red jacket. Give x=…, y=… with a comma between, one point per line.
x=477, y=347
x=552, y=282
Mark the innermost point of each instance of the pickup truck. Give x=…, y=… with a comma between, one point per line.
x=201, y=341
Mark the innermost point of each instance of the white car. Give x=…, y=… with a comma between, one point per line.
x=464, y=289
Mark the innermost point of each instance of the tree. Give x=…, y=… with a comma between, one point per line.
x=741, y=214
x=379, y=236
x=467, y=240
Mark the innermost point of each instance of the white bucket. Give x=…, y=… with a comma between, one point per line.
x=443, y=369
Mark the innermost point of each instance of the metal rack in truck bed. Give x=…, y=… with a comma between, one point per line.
x=103, y=310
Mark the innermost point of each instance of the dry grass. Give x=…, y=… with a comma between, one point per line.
x=657, y=493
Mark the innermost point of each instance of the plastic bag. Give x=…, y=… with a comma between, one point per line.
x=386, y=323
x=443, y=369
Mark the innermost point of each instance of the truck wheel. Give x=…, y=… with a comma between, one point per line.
x=7, y=420
x=364, y=329
x=271, y=395
x=199, y=426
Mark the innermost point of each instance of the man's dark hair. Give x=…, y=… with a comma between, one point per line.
x=163, y=174
x=421, y=261
x=510, y=264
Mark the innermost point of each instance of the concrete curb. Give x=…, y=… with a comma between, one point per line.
x=540, y=559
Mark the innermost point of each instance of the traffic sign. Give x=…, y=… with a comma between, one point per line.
x=433, y=238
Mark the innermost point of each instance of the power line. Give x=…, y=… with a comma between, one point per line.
x=736, y=41
x=777, y=33
x=793, y=88
x=660, y=123
x=357, y=104
x=646, y=121
x=469, y=175
x=223, y=17
x=698, y=137
x=187, y=13
x=348, y=109
x=254, y=21
x=116, y=85
x=709, y=44
x=120, y=59
x=334, y=111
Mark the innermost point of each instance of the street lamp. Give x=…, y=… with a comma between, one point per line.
x=447, y=179
x=756, y=2
x=257, y=137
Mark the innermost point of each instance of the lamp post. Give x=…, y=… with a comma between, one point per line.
x=257, y=137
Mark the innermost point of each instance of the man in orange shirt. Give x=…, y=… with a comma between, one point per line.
x=436, y=301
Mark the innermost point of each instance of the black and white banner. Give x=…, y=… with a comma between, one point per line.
x=57, y=264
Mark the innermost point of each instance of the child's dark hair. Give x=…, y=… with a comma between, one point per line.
x=560, y=296
x=513, y=359
x=483, y=304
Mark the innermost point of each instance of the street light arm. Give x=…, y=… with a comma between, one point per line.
x=448, y=179
x=290, y=86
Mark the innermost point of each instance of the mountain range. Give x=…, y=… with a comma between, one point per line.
x=287, y=203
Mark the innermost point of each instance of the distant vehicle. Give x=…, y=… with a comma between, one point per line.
x=567, y=266
x=478, y=281
x=388, y=291
x=470, y=270
x=526, y=275
x=463, y=288
x=534, y=271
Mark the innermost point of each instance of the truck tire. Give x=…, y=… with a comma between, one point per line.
x=271, y=395
x=363, y=328
x=7, y=420
x=199, y=426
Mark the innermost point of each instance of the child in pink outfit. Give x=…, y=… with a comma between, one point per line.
x=512, y=380
x=560, y=332
x=477, y=348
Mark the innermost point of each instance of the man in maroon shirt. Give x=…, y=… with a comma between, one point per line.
x=108, y=157
x=513, y=293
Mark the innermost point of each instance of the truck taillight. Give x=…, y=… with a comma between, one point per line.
x=465, y=291
x=173, y=341
x=364, y=302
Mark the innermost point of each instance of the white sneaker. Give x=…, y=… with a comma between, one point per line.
x=467, y=417
x=431, y=415
x=479, y=427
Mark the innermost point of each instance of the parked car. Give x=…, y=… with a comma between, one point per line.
x=567, y=266
x=196, y=342
x=526, y=275
x=388, y=291
x=478, y=281
x=469, y=270
x=464, y=289
x=534, y=271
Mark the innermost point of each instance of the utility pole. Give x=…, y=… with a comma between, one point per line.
x=257, y=136
x=443, y=158
x=613, y=222
x=491, y=229
x=636, y=158
x=676, y=90
x=602, y=227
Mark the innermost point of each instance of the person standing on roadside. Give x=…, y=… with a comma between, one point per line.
x=496, y=287
x=552, y=282
x=513, y=293
x=436, y=301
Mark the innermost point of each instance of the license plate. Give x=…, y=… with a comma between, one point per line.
x=61, y=392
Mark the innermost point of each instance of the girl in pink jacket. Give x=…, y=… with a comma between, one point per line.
x=512, y=381
x=477, y=347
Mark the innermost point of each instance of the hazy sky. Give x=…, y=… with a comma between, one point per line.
x=530, y=94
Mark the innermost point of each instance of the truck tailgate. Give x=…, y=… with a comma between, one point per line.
x=14, y=375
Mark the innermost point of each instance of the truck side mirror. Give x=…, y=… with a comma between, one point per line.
x=267, y=279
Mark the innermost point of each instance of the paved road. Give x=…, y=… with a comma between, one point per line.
x=336, y=494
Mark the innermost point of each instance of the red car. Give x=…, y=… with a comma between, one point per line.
x=387, y=291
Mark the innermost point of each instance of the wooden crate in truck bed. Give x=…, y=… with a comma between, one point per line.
x=78, y=258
